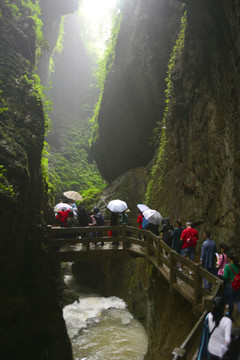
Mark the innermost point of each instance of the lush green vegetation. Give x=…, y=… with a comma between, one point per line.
x=157, y=172
x=31, y=9
x=14, y=9
x=38, y=90
x=5, y=188
x=71, y=169
x=58, y=48
x=35, y=13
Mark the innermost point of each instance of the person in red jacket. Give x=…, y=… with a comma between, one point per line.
x=139, y=221
x=189, y=237
x=62, y=217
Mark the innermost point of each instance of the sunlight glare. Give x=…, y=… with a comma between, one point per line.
x=98, y=15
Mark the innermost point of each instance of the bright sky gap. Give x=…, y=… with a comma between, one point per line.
x=98, y=17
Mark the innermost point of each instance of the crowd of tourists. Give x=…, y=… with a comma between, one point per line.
x=219, y=339
x=71, y=215
x=224, y=264
x=183, y=240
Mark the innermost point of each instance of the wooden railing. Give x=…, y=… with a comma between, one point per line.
x=156, y=251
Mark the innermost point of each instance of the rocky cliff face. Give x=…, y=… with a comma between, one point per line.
x=133, y=98
x=129, y=187
x=200, y=168
x=196, y=172
x=32, y=326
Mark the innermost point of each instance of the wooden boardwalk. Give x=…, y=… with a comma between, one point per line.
x=79, y=244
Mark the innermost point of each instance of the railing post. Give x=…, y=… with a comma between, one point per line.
x=124, y=235
x=160, y=251
x=88, y=241
x=149, y=253
x=49, y=237
x=172, y=271
x=207, y=302
x=197, y=285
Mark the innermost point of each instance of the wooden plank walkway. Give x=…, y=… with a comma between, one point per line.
x=78, y=244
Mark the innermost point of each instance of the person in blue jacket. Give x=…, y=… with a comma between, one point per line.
x=176, y=234
x=208, y=257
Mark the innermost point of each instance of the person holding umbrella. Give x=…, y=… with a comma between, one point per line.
x=154, y=228
x=73, y=195
x=114, y=222
x=62, y=217
x=141, y=208
x=61, y=206
x=116, y=206
x=176, y=234
x=124, y=217
x=99, y=220
x=167, y=230
x=154, y=219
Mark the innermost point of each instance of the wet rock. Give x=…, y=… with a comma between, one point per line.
x=133, y=98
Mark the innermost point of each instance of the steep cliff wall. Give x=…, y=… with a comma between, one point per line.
x=197, y=172
x=32, y=326
x=133, y=98
x=51, y=12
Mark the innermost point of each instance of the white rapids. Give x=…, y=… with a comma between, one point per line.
x=102, y=328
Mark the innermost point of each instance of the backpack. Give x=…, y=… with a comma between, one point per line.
x=193, y=238
x=236, y=281
x=193, y=241
x=205, y=337
x=144, y=224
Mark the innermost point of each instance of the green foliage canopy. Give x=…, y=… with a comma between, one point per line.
x=71, y=169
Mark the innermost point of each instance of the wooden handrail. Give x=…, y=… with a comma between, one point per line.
x=154, y=249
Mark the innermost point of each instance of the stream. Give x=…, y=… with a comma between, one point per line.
x=102, y=328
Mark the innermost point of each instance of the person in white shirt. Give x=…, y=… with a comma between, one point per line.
x=220, y=328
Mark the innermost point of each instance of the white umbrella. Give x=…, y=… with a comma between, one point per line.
x=117, y=205
x=142, y=207
x=61, y=206
x=74, y=195
x=153, y=216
